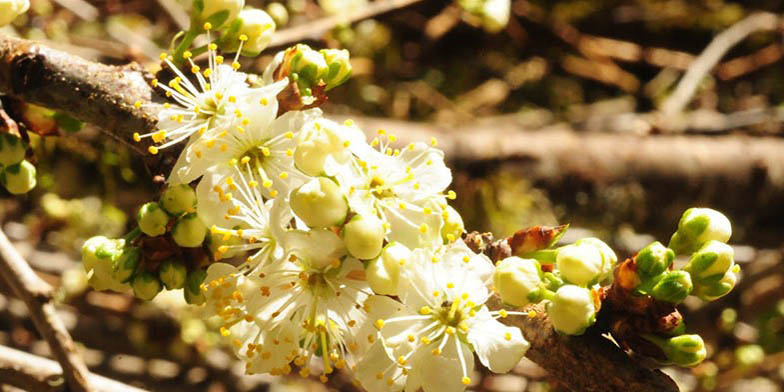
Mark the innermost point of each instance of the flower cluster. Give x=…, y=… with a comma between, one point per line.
x=17, y=174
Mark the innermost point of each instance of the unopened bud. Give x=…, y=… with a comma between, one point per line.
x=318, y=140
x=99, y=255
x=10, y=9
x=126, y=264
x=192, y=290
x=12, y=148
x=338, y=65
x=257, y=26
x=683, y=350
x=279, y=13
x=364, y=236
x=173, y=274
x=308, y=64
x=579, y=264
x=698, y=226
x=189, y=231
x=146, y=286
x=495, y=15
x=749, y=355
x=453, y=227
x=672, y=286
x=712, y=291
x=178, y=199
x=516, y=279
x=152, y=219
x=319, y=203
x=608, y=256
x=654, y=259
x=710, y=262
x=19, y=178
x=218, y=12
x=383, y=272
x=572, y=310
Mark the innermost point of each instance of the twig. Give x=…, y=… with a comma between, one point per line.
x=724, y=41
x=37, y=295
x=33, y=373
x=314, y=29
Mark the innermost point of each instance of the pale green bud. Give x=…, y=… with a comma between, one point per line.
x=364, y=236
x=672, y=286
x=308, y=64
x=192, y=290
x=453, y=227
x=279, y=13
x=683, y=350
x=146, y=286
x=189, y=231
x=19, y=178
x=698, y=226
x=654, y=259
x=12, y=148
x=255, y=25
x=715, y=290
x=316, y=142
x=339, y=67
x=173, y=274
x=710, y=262
x=579, y=264
x=608, y=256
x=572, y=310
x=152, y=219
x=126, y=264
x=516, y=278
x=178, y=199
x=11, y=9
x=218, y=12
x=383, y=272
x=319, y=203
x=99, y=255
x=749, y=355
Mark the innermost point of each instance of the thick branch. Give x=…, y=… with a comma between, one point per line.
x=33, y=373
x=37, y=295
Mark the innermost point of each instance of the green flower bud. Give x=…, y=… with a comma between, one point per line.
x=126, y=264
x=608, y=256
x=152, y=219
x=364, y=236
x=99, y=255
x=710, y=263
x=672, y=286
x=716, y=290
x=319, y=203
x=698, y=226
x=453, y=226
x=256, y=27
x=189, y=231
x=749, y=355
x=178, y=199
x=12, y=149
x=173, y=274
x=146, y=286
x=516, y=279
x=383, y=272
x=339, y=67
x=579, y=264
x=654, y=259
x=308, y=64
x=192, y=290
x=683, y=350
x=218, y=12
x=572, y=310
x=19, y=178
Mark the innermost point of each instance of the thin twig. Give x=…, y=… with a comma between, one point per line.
x=33, y=373
x=37, y=295
x=314, y=29
x=723, y=42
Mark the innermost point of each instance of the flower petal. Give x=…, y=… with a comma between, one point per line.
x=499, y=347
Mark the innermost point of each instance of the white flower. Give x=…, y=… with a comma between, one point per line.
x=311, y=306
x=11, y=9
x=404, y=188
x=206, y=109
x=443, y=320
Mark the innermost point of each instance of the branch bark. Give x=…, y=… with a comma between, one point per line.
x=33, y=373
x=37, y=296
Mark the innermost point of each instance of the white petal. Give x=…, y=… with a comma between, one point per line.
x=443, y=372
x=489, y=339
x=376, y=362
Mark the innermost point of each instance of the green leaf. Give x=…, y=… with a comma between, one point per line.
x=67, y=123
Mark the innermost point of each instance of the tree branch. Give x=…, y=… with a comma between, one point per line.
x=723, y=42
x=37, y=296
x=33, y=373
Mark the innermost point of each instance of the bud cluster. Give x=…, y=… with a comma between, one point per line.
x=314, y=72
x=17, y=175
x=145, y=260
